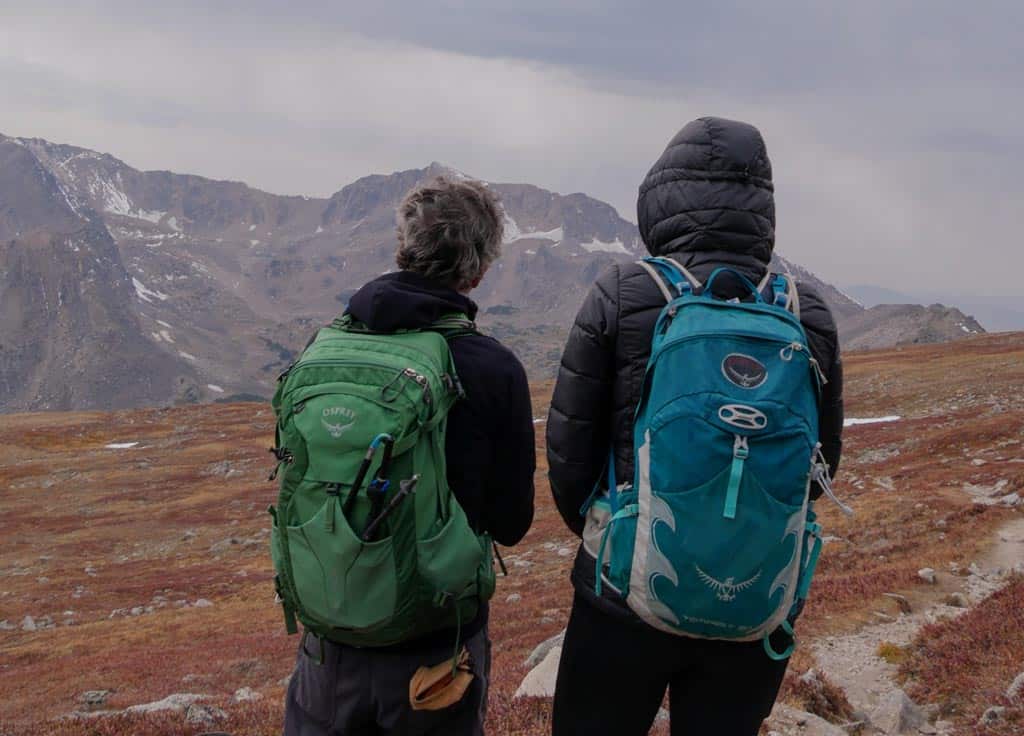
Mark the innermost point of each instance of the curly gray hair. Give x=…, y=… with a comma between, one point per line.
x=450, y=230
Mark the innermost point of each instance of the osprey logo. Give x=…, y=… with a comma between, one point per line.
x=744, y=371
x=726, y=590
x=337, y=428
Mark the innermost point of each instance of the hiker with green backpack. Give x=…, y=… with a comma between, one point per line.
x=696, y=419
x=405, y=450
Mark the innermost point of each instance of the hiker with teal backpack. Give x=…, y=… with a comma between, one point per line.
x=405, y=450
x=696, y=420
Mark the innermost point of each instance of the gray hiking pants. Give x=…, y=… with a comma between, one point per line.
x=365, y=692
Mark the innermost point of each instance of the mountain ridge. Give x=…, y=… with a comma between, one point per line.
x=222, y=282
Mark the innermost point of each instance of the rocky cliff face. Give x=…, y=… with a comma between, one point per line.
x=208, y=287
x=68, y=335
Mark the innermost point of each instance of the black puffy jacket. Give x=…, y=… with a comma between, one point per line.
x=707, y=202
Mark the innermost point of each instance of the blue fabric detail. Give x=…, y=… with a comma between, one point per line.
x=672, y=274
x=627, y=511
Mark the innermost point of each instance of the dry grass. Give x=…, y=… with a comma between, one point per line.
x=92, y=530
x=965, y=665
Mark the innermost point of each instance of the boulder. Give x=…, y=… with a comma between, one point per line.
x=1016, y=689
x=788, y=720
x=927, y=574
x=541, y=650
x=203, y=715
x=896, y=713
x=176, y=702
x=540, y=681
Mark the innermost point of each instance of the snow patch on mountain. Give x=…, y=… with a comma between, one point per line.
x=513, y=233
x=147, y=295
x=614, y=246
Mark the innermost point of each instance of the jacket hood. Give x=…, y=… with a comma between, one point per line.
x=404, y=300
x=711, y=192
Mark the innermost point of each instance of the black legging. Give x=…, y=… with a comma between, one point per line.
x=613, y=675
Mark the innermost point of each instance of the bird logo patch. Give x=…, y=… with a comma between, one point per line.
x=725, y=590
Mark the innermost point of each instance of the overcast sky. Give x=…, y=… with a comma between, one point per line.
x=896, y=129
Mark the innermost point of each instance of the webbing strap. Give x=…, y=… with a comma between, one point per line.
x=740, y=452
x=290, y=624
x=732, y=494
x=812, y=561
x=779, y=656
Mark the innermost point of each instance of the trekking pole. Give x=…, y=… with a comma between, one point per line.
x=405, y=488
x=364, y=468
x=378, y=489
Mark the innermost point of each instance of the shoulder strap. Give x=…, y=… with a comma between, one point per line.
x=784, y=293
x=669, y=273
x=454, y=325
x=653, y=272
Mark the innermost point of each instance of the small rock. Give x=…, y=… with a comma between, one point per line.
x=137, y=611
x=663, y=716
x=1016, y=689
x=6, y=626
x=992, y=715
x=189, y=535
x=28, y=624
x=896, y=713
x=513, y=598
x=204, y=715
x=246, y=694
x=285, y=681
x=202, y=603
x=901, y=602
x=565, y=551
x=1011, y=499
x=928, y=729
x=957, y=600
x=94, y=699
x=978, y=462
x=927, y=574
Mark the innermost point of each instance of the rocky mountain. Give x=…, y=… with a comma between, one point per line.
x=69, y=335
x=123, y=287
x=904, y=324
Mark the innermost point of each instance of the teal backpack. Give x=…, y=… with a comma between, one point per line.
x=716, y=538
x=370, y=546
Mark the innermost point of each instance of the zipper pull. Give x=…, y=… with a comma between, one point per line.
x=820, y=474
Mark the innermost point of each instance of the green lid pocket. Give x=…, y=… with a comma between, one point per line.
x=450, y=559
x=342, y=581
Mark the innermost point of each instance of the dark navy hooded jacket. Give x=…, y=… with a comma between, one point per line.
x=708, y=201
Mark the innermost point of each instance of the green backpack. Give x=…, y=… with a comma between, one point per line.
x=370, y=546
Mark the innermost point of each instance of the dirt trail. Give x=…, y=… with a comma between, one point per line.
x=852, y=661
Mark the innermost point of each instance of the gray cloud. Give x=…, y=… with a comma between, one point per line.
x=894, y=127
